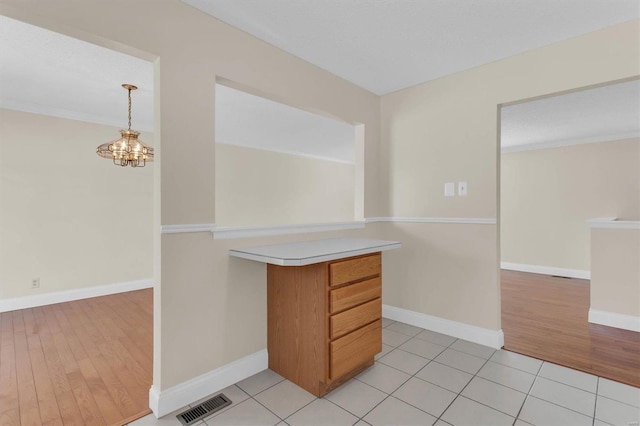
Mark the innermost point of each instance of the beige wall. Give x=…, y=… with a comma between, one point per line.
x=548, y=195
x=260, y=187
x=446, y=130
x=615, y=271
x=436, y=271
x=69, y=217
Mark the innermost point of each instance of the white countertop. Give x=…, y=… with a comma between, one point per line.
x=309, y=252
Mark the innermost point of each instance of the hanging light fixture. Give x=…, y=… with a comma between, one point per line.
x=128, y=150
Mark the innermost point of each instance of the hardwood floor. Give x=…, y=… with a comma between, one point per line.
x=547, y=318
x=87, y=362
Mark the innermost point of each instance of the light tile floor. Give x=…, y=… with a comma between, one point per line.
x=426, y=378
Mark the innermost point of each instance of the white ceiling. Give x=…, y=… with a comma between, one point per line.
x=595, y=115
x=386, y=45
x=382, y=45
x=251, y=121
x=49, y=73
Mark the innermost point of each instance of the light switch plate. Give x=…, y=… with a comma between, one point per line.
x=449, y=189
x=462, y=189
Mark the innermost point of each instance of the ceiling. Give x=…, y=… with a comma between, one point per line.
x=382, y=45
x=600, y=114
x=53, y=74
x=387, y=45
x=248, y=120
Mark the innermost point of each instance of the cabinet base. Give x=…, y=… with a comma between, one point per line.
x=324, y=388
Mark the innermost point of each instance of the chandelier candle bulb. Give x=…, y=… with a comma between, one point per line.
x=128, y=150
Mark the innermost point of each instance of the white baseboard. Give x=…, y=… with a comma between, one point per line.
x=183, y=394
x=25, y=302
x=611, y=319
x=483, y=336
x=547, y=270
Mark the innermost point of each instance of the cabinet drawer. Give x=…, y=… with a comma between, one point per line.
x=354, y=294
x=347, y=321
x=354, y=349
x=355, y=269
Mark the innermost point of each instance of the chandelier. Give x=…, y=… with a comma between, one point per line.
x=128, y=150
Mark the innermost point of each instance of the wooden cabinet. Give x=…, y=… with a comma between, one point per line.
x=324, y=320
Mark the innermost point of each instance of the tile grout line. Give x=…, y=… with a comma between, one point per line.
x=386, y=397
x=284, y=418
x=567, y=384
x=516, y=368
x=444, y=365
x=342, y=408
x=433, y=360
x=507, y=386
x=462, y=390
x=553, y=403
x=403, y=383
x=618, y=401
x=216, y=414
x=249, y=397
x=527, y=394
x=595, y=406
x=459, y=393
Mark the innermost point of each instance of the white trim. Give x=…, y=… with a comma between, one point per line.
x=185, y=393
x=569, y=142
x=464, y=220
x=612, y=319
x=25, y=302
x=234, y=232
x=472, y=333
x=184, y=229
x=547, y=270
x=613, y=223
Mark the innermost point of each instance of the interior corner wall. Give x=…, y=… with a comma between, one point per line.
x=69, y=217
x=256, y=187
x=446, y=130
x=547, y=196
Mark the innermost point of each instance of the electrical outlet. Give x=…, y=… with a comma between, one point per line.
x=35, y=283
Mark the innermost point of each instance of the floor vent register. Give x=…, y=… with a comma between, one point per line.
x=200, y=411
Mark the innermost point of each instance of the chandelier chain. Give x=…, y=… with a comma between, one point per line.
x=129, y=90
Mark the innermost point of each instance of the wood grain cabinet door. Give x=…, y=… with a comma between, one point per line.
x=355, y=269
x=355, y=318
x=354, y=349
x=354, y=294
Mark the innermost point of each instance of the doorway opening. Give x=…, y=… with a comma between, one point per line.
x=567, y=159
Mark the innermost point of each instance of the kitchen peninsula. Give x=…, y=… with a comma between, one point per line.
x=324, y=308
